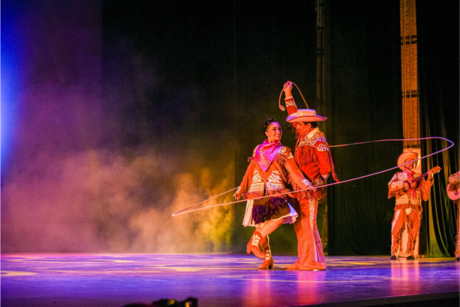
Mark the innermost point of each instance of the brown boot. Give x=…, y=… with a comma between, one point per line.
x=253, y=245
x=269, y=263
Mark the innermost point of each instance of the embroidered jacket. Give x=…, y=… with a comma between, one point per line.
x=412, y=196
x=454, y=181
x=454, y=178
x=313, y=155
x=282, y=170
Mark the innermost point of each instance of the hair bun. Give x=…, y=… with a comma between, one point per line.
x=267, y=123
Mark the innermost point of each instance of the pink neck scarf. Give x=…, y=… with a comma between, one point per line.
x=266, y=152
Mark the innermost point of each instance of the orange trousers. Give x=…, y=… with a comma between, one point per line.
x=309, y=245
x=413, y=220
x=457, y=243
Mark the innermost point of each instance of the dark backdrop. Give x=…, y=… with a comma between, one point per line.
x=366, y=105
x=366, y=100
x=237, y=55
x=438, y=80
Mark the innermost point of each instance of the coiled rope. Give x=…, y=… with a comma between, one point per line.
x=281, y=94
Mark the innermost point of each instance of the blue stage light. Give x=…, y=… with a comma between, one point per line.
x=10, y=75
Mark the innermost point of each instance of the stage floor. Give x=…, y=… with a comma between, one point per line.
x=218, y=280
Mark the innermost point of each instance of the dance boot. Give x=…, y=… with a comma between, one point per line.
x=394, y=257
x=313, y=266
x=269, y=263
x=411, y=257
x=294, y=266
x=253, y=245
x=320, y=266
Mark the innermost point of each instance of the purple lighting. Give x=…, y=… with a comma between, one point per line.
x=11, y=52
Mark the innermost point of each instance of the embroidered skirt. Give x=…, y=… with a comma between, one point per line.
x=260, y=211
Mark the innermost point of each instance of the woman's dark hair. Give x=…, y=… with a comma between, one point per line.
x=267, y=123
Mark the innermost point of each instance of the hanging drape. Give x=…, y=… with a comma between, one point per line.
x=439, y=106
x=366, y=104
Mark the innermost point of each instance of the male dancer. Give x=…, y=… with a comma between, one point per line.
x=408, y=209
x=453, y=188
x=314, y=159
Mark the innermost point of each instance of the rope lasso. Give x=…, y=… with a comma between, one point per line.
x=187, y=210
x=281, y=94
x=179, y=212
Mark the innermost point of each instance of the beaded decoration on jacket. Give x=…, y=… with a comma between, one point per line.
x=413, y=196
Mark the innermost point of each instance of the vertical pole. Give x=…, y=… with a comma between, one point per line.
x=409, y=91
x=409, y=74
x=322, y=216
x=319, y=57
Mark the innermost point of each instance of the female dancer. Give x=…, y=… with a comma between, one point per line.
x=271, y=169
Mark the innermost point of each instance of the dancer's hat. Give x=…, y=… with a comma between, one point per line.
x=306, y=116
x=408, y=154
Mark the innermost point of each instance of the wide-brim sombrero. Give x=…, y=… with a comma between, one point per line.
x=408, y=153
x=306, y=116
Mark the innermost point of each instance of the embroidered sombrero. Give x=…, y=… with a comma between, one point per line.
x=408, y=154
x=299, y=115
x=306, y=116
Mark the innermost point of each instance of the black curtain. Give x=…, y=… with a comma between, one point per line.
x=365, y=78
x=438, y=36
x=366, y=105
x=220, y=69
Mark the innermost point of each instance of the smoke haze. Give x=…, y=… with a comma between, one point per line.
x=99, y=162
